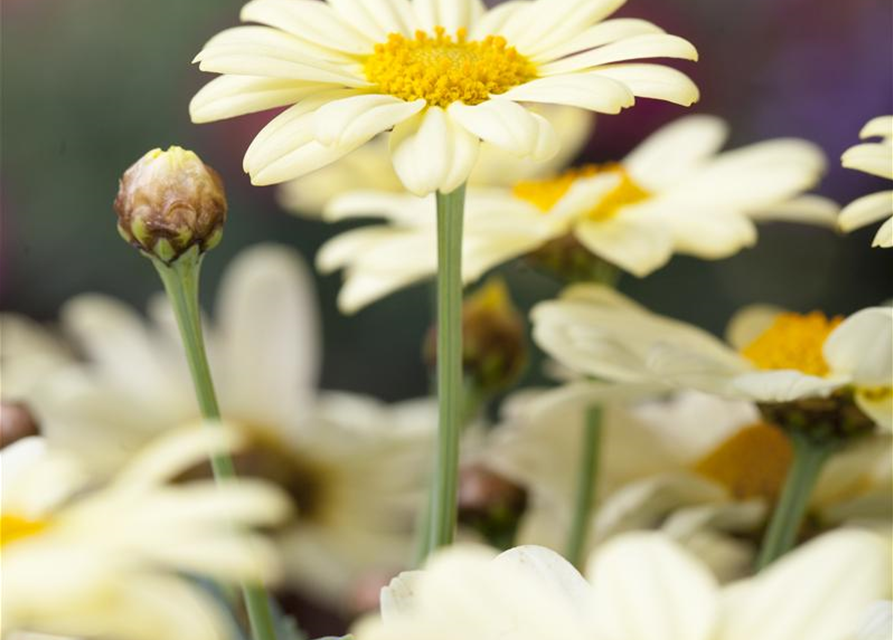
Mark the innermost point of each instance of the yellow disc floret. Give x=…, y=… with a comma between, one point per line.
x=545, y=194
x=752, y=463
x=443, y=69
x=794, y=341
x=14, y=527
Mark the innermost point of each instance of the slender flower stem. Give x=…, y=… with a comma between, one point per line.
x=809, y=459
x=587, y=477
x=181, y=284
x=450, y=212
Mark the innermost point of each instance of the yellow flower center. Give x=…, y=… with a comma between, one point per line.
x=14, y=528
x=545, y=194
x=443, y=69
x=753, y=463
x=794, y=341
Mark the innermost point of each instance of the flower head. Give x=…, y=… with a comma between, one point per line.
x=445, y=75
x=170, y=201
x=875, y=158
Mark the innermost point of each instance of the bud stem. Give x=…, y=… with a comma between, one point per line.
x=809, y=459
x=181, y=282
x=587, y=477
x=450, y=212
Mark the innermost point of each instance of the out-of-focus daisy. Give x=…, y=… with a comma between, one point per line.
x=700, y=468
x=875, y=158
x=109, y=561
x=639, y=587
x=369, y=167
x=774, y=356
x=675, y=193
x=356, y=468
x=443, y=74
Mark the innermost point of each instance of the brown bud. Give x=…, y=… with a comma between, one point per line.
x=170, y=201
x=482, y=491
x=494, y=344
x=571, y=262
x=16, y=423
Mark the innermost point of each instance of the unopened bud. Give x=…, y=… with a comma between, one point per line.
x=570, y=261
x=169, y=202
x=494, y=346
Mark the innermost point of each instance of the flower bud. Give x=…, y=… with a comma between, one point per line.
x=571, y=262
x=16, y=422
x=494, y=346
x=170, y=201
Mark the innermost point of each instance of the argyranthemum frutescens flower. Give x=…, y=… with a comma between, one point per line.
x=639, y=587
x=702, y=469
x=776, y=357
x=673, y=194
x=110, y=561
x=355, y=467
x=444, y=74
x=369, y=167
x=875, y=158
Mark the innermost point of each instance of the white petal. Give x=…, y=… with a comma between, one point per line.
x=712, y=234
x=229, y=96
x=314, y=21
x=654, y=81
x=818, y=592
x=750, y=323
x=866, y=210
x=784, y=385
x=449, y=14
x=550, y=571
x=359, y=118
x=343, y=249
x=870, y=157
x=808, y=209
x=879, y=127
x=649, y=589
x=587, y=91
x=508, y=125
x=634, y=48
x=493, y=20
x=675, y=150
x=362, y=288
x=884, y=236
x=401, y=208
x=637, y=244
x=544, y=24
x=862, y=347
x=599, y=35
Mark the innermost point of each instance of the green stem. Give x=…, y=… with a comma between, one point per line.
x=181, y=281
x=587, y=477
x=450, y=212
x=809, y=458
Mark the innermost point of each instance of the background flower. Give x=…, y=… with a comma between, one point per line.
x=875, y=158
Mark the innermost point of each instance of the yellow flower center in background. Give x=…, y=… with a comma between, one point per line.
x=13, y=528
x=443, y=70
x=794, y=341
x=753, y=463
x=545, y=194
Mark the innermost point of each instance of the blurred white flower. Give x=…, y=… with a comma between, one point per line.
x=109, y=561
x=356, y=468
x=675, y=193
x=639, y=587
x=368, y=167
x=780, y=356
x=875, y=158
x=444, y=75
x=701, y=469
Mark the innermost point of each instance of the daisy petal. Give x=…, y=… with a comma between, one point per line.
x=230, y=96
x=808, y=209
x=866, y=210
x=587, y=91
x=360, y=118
x=637, y=244
x=871, y=157
x=654, y=81
x=598, y=35
x=311, y=20
x=862, y=347
x=884, y=236
x=509, y=126
x=635, y=48
x=545, y=24
x=880, y=127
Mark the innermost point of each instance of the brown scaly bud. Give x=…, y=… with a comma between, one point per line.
x=16, y=423
x=494, y=346
x=169, y=202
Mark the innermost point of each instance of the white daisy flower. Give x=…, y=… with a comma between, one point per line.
x=774, y=357
x=443, y=74
x=355, y=467
x=702, y=469
x=675, y=193
x=109, y=561
x=875, y=158
x=370, y=168
x=638, y=587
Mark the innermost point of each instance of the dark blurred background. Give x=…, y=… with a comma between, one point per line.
x=90, y=85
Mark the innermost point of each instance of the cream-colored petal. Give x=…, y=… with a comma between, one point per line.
x=807, y=209
x=363, y=288
x=449, y=14
x=637, y=244
x=712, y=234
x=654, y=81
x=675, y=150
x=647, y=588
x=584, y=90
x=866, y=210
x=870, y=157
x=884, y=236
x=552, y=572
x=634, y=48
x=358, y=118
x=493, y=20
x=507, y=125
x=401, y=208
x=373, y=22
x=818, y=592
x=749, y=323
x=784, y=385
x=598, y=35
x=879, y=127
x=861, y=348
x=230, y=96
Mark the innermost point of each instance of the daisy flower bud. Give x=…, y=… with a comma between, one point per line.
x=170, y=201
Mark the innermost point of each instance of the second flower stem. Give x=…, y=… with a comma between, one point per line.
x=587, y=477
x=809, y=459
x=450, y=213
x=181, y=280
